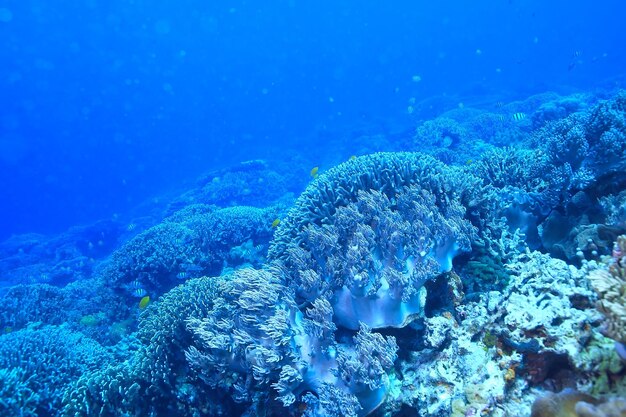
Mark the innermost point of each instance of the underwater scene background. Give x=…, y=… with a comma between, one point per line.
x=297, y=208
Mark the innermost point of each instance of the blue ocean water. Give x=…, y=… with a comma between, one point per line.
x=298, y=208
x=105, y=106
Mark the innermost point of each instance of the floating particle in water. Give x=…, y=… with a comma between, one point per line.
x=6, y=15
x=162, y=27
x=416, y=78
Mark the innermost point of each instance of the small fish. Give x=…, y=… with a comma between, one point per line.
x=182, y=275
x=143, y=303
x=314, y=172
x=468, y=162
x=139, y=292
x=577, y=54
x=353, y=157
x=8, y=329
x=499, y=104
x=135, y=284
x=519, y=116
x=131, y=227
x=275, y=223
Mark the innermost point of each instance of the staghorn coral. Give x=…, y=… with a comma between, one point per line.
x=511, y=167
x=17, y=398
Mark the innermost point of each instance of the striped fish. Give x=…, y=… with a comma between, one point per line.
x=519, y=116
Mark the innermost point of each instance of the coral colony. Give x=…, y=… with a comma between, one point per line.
x=467, y=279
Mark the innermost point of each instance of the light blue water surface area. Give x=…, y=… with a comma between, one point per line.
x=312, y=208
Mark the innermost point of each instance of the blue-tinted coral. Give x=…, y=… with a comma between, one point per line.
x=73, y=305
x=387, y=173
x=196, y=241
x=258, y=346
x=251, y=183
x=588, y=145
x=154, y=379
x=585, y=155
x=370, y=233
x=39, y=365
x=57, y=260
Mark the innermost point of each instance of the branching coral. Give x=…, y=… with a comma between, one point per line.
x=588, y=145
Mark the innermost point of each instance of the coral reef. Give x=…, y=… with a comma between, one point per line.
x=375, y=241
x=251, y=183
x=154, y=379
x=193, y=242
x=256, y=345
x=395, y=285
x=37, y=366
x=610, y=283
x=493, y=347
x=22, y=305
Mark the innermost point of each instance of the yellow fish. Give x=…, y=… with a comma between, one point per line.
x=275, y=223
x=144, y=302
x=314, y=172
x=353, y=157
